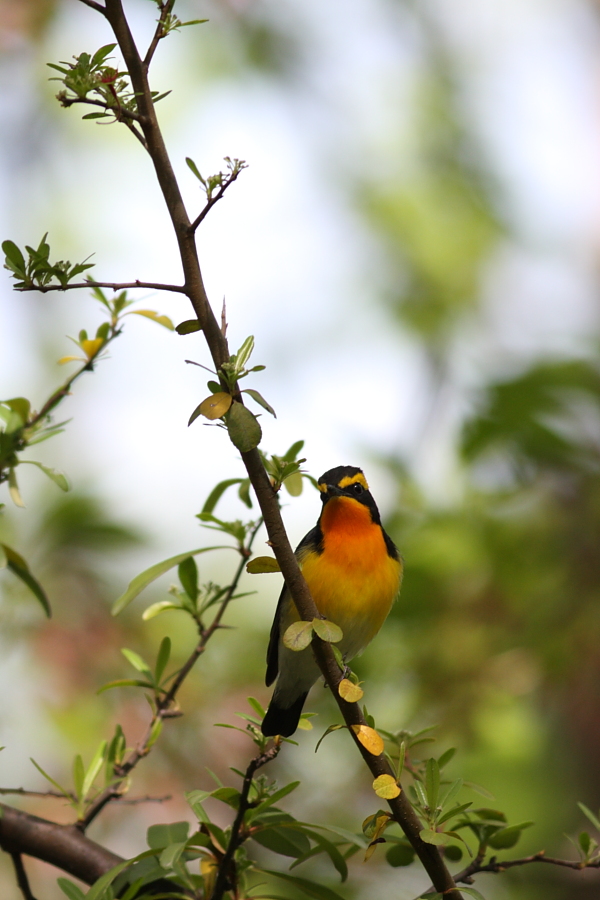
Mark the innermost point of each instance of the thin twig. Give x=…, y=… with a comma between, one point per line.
x=97, y=6
x=113, y=285
x=23, y=793
x=494, y=865
x=164, y=706
x=203, y=214
x=159, y=32
x=21, y=874
x=237, y=837
x=119, y=112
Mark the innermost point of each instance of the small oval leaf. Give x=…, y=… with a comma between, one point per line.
x=188, y=327
x=434, y=837
x=262, y=564
x=369, y=738
x=244, y=431
x=349, y=691
x=298, y=636
x=386, y=787
x=215, y=406
x=328, y=631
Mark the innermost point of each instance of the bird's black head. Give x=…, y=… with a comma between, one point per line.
x=348, y=481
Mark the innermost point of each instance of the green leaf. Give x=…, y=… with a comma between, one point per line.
x=125, y=682
x=327, y=631
x=69, y=889
x=298, y=636
x=228, y=795
x=155, y=732
x=18, y=566
x=162, y=659
x=432, y=782
x=244, y=431
x=291, y=454
x=446, y=757
x=146, y=577
x=192, y=166
x=93, y=768
x=217, y=492
x=401, y=854
x=471, y=892
x=331, y=729
x=78, y=776
x=21, y=406
x=157, y=608
x=57, y=477
x=433, y=837
x=51, y=780
x=507, y=837
x=101, y=54
x=171, y=854
x=258, y=708
x=310, y=888
x=99, y=887
x=294, y=484
x=451, y=793
x=160, y=836
x=590, y=815
x=15, y=261
x=188, y=327
x=188, y=576
x=136, y=661
x=276, y=797
x=244, y=353
x=258, y=398
x=262, y=564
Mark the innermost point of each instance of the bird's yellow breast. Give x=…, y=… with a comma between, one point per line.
x=354, y=581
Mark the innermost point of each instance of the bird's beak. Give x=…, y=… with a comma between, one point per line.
x=332, y=491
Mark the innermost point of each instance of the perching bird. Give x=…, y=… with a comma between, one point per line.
x=353, y=570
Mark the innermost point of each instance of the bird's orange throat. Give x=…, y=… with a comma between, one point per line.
x=354, y=580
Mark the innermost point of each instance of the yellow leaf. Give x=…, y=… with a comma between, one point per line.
x=156, y=317
x=349, y=691
x=216, y=405
x=386, y=787
x=209, y=869
x=369, y=738
x=373, y=828
x=91, y=346
x=262, y=564
x=66, y=359
x=305, y=725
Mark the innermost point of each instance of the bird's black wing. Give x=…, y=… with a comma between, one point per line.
x=313, y=541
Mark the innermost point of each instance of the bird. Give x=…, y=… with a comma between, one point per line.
x=353, y=570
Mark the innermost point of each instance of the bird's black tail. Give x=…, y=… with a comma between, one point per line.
x=281, y=720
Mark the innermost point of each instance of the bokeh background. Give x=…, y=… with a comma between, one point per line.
x=415, y=247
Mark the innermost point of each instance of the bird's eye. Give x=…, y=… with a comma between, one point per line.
x=357, y=488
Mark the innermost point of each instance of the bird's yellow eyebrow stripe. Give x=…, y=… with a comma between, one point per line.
x=359, y=478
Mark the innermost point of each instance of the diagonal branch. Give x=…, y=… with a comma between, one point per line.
x=159, y=33
x=164, y=706
x=203, y=214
